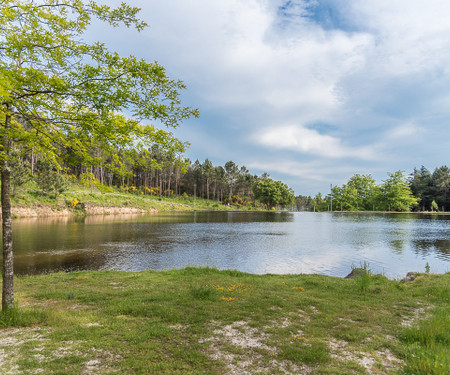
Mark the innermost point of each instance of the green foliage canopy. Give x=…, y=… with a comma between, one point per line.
x=273, y=193
x=62, y=91
x=396, y=194
x=59, y=92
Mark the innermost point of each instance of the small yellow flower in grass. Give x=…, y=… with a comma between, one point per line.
x=298, y=288
x=231, y=288
x=284, y=282
x=81, y=278
x=227, y=299
x=297, y=338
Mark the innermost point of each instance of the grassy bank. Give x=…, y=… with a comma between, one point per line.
x=204, y=321
x=78, y=199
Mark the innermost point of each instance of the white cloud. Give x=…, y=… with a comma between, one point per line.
x=403, y=131
x=309, y=141
x=315, y=171
x=383, y=76
x=234, y=51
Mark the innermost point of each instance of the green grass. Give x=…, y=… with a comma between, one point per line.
x=205, y=321
x=428, y=344
x=30, y=196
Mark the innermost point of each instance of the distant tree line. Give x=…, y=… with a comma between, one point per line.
x=420, y=191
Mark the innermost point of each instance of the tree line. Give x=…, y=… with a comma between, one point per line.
x=420, y=191
x=149, y=172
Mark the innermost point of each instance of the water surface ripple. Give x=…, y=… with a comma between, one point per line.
x=262, y=242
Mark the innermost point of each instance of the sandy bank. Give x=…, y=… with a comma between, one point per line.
x=44, y=211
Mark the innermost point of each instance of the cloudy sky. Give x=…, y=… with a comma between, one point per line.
x=311, y=92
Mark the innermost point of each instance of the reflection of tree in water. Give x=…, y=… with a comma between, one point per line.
x=426, y=247
x=397, y=246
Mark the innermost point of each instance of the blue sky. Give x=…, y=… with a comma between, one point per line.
x=311, y=92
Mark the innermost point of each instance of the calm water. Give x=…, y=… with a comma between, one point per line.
x=281, y=243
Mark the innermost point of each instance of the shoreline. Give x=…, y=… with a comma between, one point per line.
x=90, y=210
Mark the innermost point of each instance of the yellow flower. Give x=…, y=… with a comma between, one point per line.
x=227, y=299
x=298, y=288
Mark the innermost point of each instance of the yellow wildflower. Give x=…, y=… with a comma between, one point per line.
x=227, y=299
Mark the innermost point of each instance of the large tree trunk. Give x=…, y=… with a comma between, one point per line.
x=7, y=270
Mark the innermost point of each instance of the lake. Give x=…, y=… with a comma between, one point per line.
x=255, y=242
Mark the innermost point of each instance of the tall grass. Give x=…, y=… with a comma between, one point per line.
x=363, y=278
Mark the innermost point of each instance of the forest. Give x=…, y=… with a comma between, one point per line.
x=153, y=172
x=419, y=191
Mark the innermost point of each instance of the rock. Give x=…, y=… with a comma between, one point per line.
x=410, y=276
x=356, y=272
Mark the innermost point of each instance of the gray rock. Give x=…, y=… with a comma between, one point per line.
x=410, y=276
x=356, y=272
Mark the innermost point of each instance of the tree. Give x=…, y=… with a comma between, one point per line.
x=421, y=184
x=357, y=194
x=303, y=203
x=396, y=194
x=441, y=180
x=365, y=187
x=49, y=180
x=20, y=173
x=232, y=171
x=68, y=90
x=434, y=206
x=345, y=197
x=208, y=173
x=273, y=193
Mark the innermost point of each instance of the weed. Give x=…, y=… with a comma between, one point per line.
x=363, y=278
x=70, y=295
x=203, y=293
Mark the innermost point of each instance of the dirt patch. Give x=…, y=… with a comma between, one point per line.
x=11, y=341
x=244, y=352
x=101, y=362
x=242, y=335
x=341, y=351
x=419, y=313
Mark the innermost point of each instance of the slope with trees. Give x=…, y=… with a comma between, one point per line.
x=58, y=92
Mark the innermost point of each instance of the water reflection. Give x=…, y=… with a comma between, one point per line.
x=261, y=242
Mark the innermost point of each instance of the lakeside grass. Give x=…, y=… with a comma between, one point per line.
x=205, y=321
x=31, y=197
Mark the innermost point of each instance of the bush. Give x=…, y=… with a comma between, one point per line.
x=49, y=180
